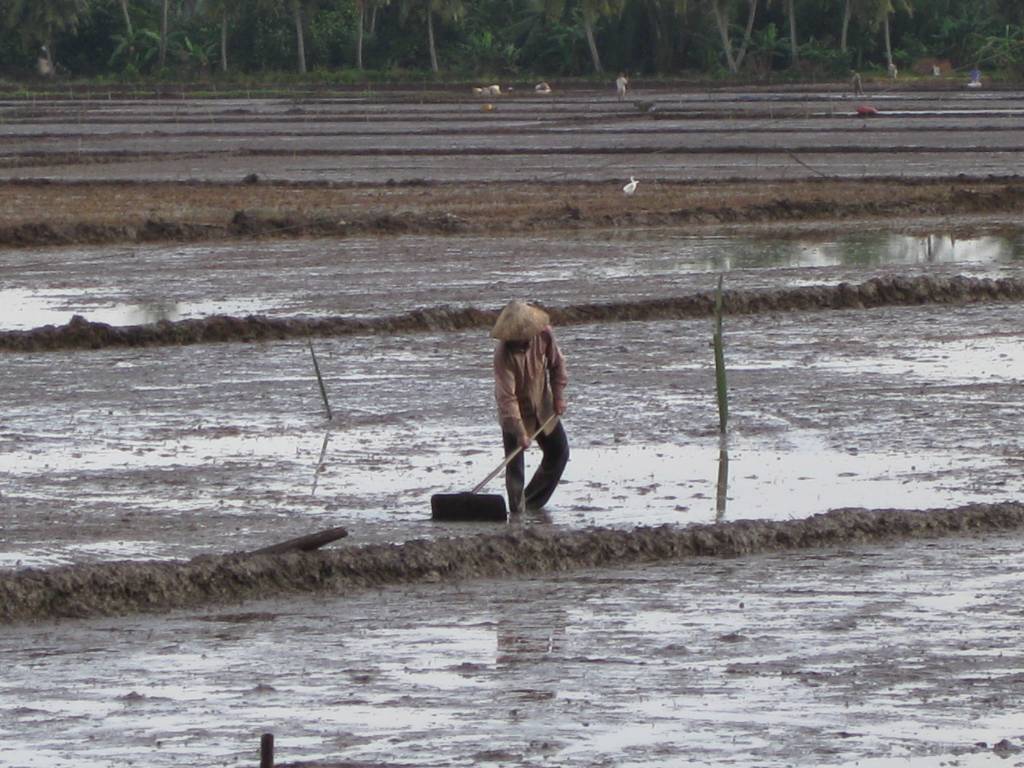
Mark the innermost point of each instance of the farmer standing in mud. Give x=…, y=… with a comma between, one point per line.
x=529, y=387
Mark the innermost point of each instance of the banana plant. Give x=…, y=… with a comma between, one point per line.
x=794, y=46
x=136, y=52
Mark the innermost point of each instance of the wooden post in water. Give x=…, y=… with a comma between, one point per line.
x=267, y=750
x=320, y=379
x=720, y=385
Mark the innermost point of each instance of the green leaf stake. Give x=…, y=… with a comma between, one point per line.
x=720, y=386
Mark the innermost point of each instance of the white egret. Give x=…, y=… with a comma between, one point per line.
x=630, y=188
x=620, y=86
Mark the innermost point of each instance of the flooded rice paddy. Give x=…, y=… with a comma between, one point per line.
x=853, y=657
x=864, y=654
x=174, y=452
x=367, y=277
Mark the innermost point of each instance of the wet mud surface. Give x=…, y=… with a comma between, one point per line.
x=680, y=599
x=865, y=654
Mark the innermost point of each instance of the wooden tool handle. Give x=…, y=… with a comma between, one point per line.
x=516, y=452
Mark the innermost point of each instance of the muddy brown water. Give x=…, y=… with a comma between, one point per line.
x=876, y=654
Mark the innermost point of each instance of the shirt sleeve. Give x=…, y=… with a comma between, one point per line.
x=558, y=374
x=505, y=393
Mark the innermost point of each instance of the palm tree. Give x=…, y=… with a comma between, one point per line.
x=222, y=10
x=362, y=6
x=38, y=21
x=888, y=10
x=300, y=38
x=844, y=34
x=361, y=11
x=720, y=10
x=164, y=10
x=875, y=13
x=592, y=12
x=660, y=15
x=446, y=9
x=127, y=19
x=794, y=48
x=300, y=9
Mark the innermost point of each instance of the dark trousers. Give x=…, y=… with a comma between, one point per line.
x=544, y=481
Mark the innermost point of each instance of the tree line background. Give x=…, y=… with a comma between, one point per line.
x=356, y=40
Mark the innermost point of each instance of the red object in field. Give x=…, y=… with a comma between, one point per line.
x=866, y=110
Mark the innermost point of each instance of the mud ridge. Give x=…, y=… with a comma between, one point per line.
x=241, y=225
x=448, y=214
x=80, y=333
x=129, y=587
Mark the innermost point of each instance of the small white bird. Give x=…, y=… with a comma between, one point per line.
x=542, y=88
x=630, y=188
x=620, y=86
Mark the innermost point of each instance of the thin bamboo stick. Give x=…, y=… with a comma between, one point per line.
x=320, y=379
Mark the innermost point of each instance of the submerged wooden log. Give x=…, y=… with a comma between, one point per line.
x=306, y=543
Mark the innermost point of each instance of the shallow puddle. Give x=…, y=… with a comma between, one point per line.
x=962, y=361
x=380, y=491
x=24, y=309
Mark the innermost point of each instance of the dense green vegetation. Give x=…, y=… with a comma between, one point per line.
x=355, y=40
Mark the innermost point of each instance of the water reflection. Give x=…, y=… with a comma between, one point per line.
x=871, y=251
x=722, y=489
x=321, y=466
x=23, y=308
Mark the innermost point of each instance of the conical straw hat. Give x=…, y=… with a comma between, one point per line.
x=519, y=321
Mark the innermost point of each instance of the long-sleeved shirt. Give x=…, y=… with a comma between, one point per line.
x=528, y=383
